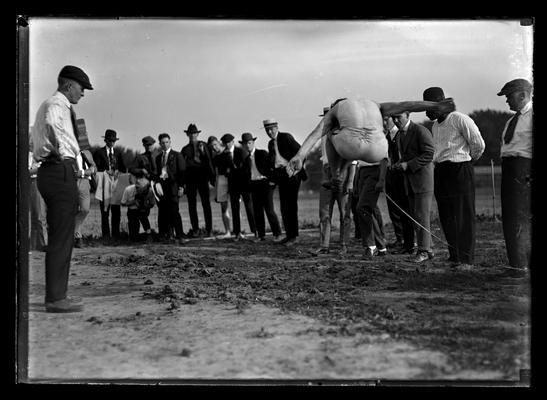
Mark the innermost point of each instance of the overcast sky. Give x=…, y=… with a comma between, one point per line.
x=159, y=75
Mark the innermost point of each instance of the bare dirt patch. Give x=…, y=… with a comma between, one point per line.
x=218, y=309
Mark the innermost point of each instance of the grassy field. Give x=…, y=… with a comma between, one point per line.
x=308, y=214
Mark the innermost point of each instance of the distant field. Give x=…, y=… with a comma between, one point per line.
x=308, y=214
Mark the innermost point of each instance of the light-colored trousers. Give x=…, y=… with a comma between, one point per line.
x=84, y=202
x=327, y=199
x=38, y=221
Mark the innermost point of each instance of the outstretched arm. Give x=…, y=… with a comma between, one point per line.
x=295, y=163
x=393, y=108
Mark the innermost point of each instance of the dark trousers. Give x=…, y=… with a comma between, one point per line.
x=402, y=225
x=370, y=217
x=115, y=210
x=136, y=218
x=192, y=190
x=288, y=201
x=516, y=209
x=57, y=185
x=262, y=198
x=168, y=215
x=354, y=202
x=235, y=194
x=455, y=196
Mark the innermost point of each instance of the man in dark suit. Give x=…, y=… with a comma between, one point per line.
x=231, y=161
x=416, y=149
x=170, y=173
x=395, y=189
x=258, y=171
x=109, y=159
x=199, y=173
x=283, y=147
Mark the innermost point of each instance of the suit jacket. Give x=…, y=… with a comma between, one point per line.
x=198, y=171
x=262, y=162
x=101, y=160
x=417, y=149
x=288, y=147
x=234, y=169
x=176, y=171
x=144, y=161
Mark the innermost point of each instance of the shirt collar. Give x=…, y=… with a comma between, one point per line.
x=253, y=152
x=62, y=98
x=526, y=108
x=405, y=128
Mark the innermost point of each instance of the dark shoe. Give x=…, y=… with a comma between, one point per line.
x=512, y=272
x=395, y=245
x=280, y=240
x=370, y=254
x=64, y=306
x=239, y=237
x=407, y=250
x=422, y=256
x=262, y=238
x=382, y=252
x=78, y=243
x=290, y=242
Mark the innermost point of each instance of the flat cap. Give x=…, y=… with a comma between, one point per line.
x=77, y=74
x=433, y=94
x=514, y=85
x=227, y=138
x=148, y=140
x=269, y=122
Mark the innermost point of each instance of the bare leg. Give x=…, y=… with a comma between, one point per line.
x=338, y=166
x=226, y=220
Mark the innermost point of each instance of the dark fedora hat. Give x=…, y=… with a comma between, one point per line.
x=192, y=128
x=148, y=140
x=245, y=137
x=227, y=138
x=515, y=85
x=433, y=94
x=77, y=74
x=110, y=134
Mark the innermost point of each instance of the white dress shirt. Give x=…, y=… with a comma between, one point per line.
x=521, y=144
x=280, y=162
x=457, y=139
x=255, y=173
x=53, y=132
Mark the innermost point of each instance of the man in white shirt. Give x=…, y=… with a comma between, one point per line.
x=55, y=145
x=516, y=172
x=458, y=144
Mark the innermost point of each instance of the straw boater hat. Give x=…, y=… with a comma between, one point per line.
x=192, y=128
x=246, y=137
x=110, y=134
x=325, y=111
x=269, y=122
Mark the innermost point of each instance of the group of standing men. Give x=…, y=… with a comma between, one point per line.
x=353, y=131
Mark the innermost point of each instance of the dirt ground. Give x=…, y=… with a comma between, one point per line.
x=225, y=310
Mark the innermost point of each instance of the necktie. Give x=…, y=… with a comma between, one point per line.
x=164, y=159
x=73, y=119
x=511, y=128
x=111, y=158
